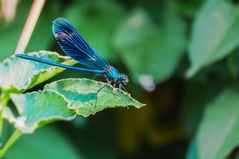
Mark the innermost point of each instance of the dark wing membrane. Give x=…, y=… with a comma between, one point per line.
x=75, y=46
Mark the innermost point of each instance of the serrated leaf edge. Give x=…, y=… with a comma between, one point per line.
x=37, y=73
x=99, y=82
x=34, y=126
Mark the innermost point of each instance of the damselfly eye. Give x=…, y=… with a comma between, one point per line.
x=124, y=79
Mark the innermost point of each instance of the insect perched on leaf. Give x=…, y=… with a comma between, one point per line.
x=73, y=44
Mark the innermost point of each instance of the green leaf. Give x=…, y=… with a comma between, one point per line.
x=19, y=74
x=81, y=95
x=192, y=152
x=37, y=109
x=149, y=50
x=96, y=22
x=215, y=34
x=47, y=143
x=218, y=131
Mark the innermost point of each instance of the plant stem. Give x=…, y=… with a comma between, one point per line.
x=29, y=25
x=4, y=99
x=1, y=124
x=3, y=102
x=16, y=134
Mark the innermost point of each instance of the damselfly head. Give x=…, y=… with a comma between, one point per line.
x=123, y=79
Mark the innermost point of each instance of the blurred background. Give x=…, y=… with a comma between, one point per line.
x=182, y=60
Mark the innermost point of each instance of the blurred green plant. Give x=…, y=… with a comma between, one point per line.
x=139, y=38
x=51, y=142
x=186, y=50
x=61, y=100
x=214, y=34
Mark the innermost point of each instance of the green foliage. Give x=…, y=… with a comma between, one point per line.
x=60, y=100
x=220, y=126
x=27, y=73
x=83, y=96
x=215, y=34
x=157, y=44
x=10, y=32
x=36, y=109
x=42, y=35
x=192, y=153
x=48, y=143
x=139, y=38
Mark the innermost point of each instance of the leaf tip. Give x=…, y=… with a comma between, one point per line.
x=191, y=72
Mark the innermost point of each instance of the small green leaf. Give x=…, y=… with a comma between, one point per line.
x=81, y=95
x=149, y=50
x=215, y=34
x=19, y=74
x=37, y=109
x=218, y=132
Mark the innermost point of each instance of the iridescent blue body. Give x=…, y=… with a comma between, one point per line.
x=73, y=44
